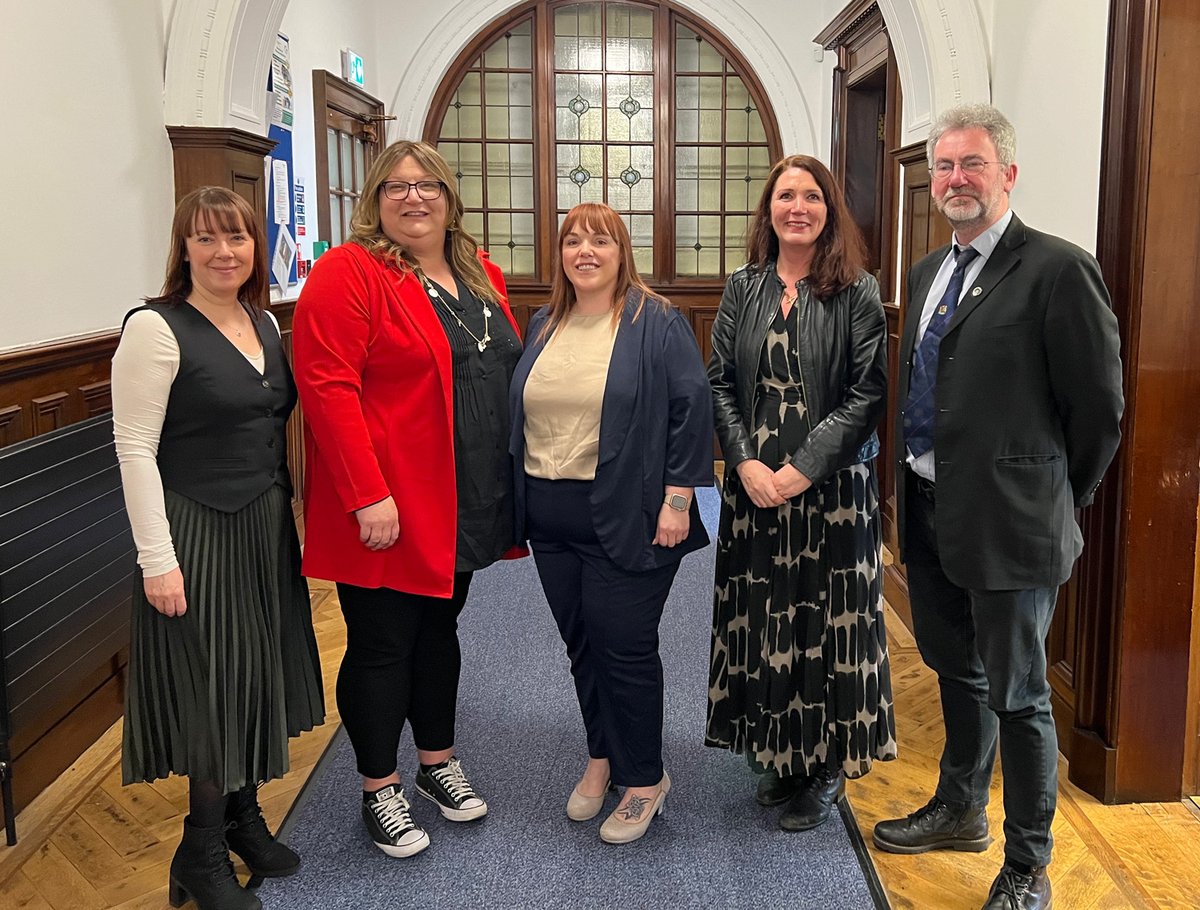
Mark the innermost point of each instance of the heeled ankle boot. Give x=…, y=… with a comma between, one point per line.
x=248, y=836
x=201, y=871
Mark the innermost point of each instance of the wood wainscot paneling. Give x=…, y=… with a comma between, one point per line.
x=45, y=388
x=922, y=230
x=1134, y=660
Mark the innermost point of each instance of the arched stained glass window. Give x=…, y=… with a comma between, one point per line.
x=638, y=105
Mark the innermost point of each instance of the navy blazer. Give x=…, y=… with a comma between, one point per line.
x=656, y=428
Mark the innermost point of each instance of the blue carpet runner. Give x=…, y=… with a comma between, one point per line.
x=521, y=739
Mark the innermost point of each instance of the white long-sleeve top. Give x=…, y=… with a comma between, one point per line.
x=143, y=368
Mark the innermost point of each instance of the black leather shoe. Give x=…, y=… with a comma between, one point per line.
x=774, y=788
x=935, y=826
x=1013, y=890
x=814, y=801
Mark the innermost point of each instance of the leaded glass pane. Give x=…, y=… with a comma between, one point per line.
x=641, y=235
x=513, y=50
x=335, y=219
x=630, y=177
x=687, y=243
x=580, y=174
x=473, y=223
x=711, y=60
x=345, y=155
x=710, y=126
x=630, y=114
x=735, y=241
x=347, y=211
x=331, y=150
x=687, y=191
x=687, y=50
x=360, y=167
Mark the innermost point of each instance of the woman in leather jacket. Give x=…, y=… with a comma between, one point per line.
x=799, y=680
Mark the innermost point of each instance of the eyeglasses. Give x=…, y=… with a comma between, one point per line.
x=972, y=167
x=398, y=190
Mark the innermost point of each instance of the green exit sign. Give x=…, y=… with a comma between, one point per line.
x=352, y=67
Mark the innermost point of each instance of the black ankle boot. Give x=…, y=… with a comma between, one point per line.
x=201, y=871
x=814, y=801
x=248, y=837
x=775, y=788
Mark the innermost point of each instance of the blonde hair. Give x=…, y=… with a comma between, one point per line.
x=461, y=249
x=600, y=219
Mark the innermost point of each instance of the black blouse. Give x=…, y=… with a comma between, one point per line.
x=482, y=465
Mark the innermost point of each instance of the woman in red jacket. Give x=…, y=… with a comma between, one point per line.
x=404, y=346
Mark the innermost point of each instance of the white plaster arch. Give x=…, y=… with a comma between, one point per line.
x=437, y=50
x=942, y=55
x=219, y=52
x=218, y=56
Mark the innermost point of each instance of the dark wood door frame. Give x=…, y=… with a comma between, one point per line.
x=1135, y=681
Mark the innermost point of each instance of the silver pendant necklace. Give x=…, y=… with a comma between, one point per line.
x=480, y=343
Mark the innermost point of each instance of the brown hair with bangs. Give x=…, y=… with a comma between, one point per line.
x=841, y=253
x=461, y=249
x=213, y=208
x=596, y=218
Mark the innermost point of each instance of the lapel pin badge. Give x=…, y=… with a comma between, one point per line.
x=976, y=291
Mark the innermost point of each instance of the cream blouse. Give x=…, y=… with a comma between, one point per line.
x=564, y=396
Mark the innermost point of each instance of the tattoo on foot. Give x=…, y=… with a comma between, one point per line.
x=635, y=807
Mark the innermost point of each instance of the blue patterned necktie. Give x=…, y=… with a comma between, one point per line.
x=920, y=411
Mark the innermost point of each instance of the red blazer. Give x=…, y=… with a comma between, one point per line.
x=373, y=370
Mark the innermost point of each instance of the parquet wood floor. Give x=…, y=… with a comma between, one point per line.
x=88, y=842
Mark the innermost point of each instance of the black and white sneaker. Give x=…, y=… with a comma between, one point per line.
x=386, y=815
x=447, y=785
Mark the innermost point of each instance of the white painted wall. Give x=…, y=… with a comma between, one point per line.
x=1048, y=71
x=87, y=180
x=85, y=167
x=317, y=31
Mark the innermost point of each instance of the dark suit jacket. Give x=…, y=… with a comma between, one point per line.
x=656, y=428
x=1029, y=407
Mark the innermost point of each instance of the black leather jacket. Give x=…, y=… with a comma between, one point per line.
x=843, y=368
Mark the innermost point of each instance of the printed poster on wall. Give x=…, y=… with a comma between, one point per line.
x=280, y=175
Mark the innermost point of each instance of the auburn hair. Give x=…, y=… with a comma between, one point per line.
x=596, y=218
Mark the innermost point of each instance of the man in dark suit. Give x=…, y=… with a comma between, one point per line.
x=1009, y=411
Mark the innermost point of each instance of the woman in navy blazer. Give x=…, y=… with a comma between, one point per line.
x=612, y=432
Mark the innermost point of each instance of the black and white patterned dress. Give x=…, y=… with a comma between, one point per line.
x=799, y=675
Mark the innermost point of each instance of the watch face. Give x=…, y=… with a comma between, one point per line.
x=678, y=502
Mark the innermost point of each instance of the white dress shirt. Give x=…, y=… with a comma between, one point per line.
x=984, y=244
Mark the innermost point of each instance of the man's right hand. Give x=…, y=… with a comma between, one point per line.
x=378, y=524
x=759, y=481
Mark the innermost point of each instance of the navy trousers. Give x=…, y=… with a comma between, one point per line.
x=988, y=649
x=608, y=618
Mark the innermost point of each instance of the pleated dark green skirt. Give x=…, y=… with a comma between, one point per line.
x=215, y=694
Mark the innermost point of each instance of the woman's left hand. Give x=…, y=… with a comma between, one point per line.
x=790, y=482
x=673, y=527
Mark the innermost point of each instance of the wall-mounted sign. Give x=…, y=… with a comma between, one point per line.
x=352, y=67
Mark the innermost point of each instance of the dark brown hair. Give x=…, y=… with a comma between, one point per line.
x=212, y=208
x=600, y=219
x=841, y=253
x=461, y=249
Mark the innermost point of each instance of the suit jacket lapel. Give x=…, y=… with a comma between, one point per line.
x=620, y=388
x=1005, y=257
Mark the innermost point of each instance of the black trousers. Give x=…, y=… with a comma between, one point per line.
x=988, y=649
x=402, y=662
x=608, y=618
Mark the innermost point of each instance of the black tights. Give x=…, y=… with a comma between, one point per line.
x=206, y=804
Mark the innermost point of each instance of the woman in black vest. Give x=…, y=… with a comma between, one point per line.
x=223, y=664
